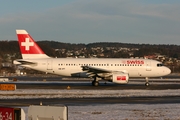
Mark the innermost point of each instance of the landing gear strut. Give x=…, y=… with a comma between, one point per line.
x=147, y=82
x=95, y=82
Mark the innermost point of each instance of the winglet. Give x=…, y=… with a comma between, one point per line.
x=29, y=48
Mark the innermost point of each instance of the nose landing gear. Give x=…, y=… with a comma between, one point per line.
x=147, y=82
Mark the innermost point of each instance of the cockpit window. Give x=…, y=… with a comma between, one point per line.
x=159, y=64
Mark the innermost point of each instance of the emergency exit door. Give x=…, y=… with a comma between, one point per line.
x=49, y=64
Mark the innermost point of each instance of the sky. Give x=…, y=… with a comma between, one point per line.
x=89, y=21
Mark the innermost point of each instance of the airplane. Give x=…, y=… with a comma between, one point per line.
x=116, y=70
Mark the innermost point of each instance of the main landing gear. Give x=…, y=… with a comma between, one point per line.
x=95, y=82
x=147, y=82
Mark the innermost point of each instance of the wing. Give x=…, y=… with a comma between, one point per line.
x=93, y=71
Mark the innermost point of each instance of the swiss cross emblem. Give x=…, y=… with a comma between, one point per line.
x=27, y=44
x=121, y=77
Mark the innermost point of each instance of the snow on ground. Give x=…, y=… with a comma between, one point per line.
x=49, y=93
x=123, y=112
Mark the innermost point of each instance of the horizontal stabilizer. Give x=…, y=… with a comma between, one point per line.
x=23, y=62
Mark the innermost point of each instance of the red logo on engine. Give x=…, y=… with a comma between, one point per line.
x=121, y=77
x=135, y=62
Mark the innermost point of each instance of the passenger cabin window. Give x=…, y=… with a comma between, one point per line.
x=159, y=65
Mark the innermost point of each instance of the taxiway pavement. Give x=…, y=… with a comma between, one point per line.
x=43, y=83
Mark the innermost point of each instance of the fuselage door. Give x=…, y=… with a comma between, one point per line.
x=148, y=65
x=49, y=64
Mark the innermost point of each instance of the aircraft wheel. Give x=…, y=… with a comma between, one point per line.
x=147, y=84
x=95, y=83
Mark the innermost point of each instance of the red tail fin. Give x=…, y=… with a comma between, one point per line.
x=29, y=48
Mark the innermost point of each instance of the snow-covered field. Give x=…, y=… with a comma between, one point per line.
x=123, y=112
x=49, y=93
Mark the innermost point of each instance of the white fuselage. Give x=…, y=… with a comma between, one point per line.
x=73, y=66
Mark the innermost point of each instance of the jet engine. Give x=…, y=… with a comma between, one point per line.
x=119, y=77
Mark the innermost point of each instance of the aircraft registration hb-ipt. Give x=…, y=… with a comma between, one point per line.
x=116, y=70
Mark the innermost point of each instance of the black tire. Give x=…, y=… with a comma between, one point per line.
x=147, y=84
x=95, y=83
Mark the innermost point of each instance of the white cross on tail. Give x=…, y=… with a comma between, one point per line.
x=27, y=44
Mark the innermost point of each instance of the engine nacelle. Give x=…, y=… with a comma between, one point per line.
x=120, y=78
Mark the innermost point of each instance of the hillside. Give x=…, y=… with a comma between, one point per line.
x=50, y=48
x=168, y=54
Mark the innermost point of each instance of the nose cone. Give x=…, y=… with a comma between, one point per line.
x=167, y=71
